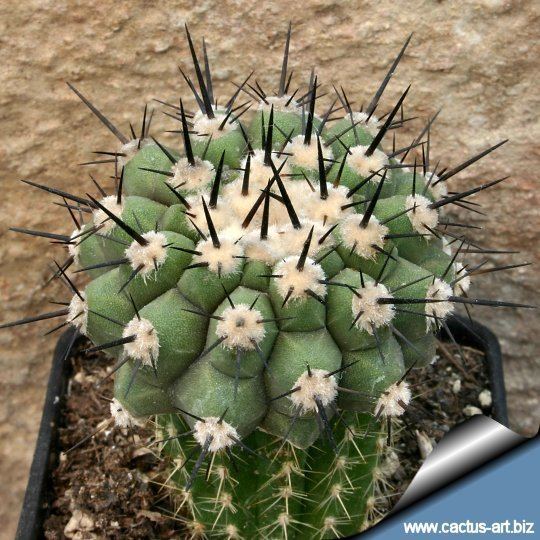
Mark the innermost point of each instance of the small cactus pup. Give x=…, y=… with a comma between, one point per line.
x=265, y=288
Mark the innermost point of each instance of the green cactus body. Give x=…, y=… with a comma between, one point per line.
x=266, y=340
x=264, y=294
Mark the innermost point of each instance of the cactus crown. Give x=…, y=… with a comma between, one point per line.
x=265, y=294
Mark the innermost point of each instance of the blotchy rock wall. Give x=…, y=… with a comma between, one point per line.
x=475, y=59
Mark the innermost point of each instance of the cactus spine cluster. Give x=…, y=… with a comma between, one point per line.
x=265, y=293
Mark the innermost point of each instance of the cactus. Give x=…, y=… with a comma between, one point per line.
x=265, y=293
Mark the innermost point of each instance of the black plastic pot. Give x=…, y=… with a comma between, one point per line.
x=37, y=497
x=474, y=334
x=38, y=494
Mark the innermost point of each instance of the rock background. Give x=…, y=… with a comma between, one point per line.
x=477, y=59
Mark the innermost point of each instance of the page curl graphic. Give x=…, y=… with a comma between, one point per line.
x=463, y=449
x=480, y=473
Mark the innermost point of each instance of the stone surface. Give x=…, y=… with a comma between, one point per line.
x=476, y=59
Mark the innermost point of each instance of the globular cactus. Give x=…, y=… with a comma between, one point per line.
x=265, y=294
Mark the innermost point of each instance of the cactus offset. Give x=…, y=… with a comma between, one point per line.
x=265, y=293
